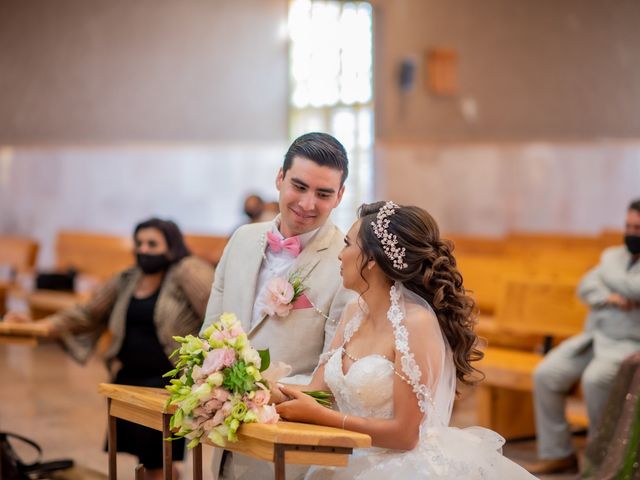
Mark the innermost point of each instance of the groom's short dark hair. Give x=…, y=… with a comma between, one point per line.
x=320, y=148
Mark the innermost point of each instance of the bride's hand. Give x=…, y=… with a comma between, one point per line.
x=301, y=407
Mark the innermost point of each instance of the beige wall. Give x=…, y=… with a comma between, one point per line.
x=535, y=69
x=112, y=71
x=492, y=188
x=113, y=110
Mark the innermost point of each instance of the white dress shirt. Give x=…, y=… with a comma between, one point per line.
x=275, y=265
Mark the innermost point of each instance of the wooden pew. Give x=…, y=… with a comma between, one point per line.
x=95, y=254
x=283, y=442
x=611, y=238
x=548, y=309
x=551, y=241
x=470, y=244
x=208, y=247
x=17, y=254
x=97, y=257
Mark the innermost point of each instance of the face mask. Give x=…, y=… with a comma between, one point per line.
x=633, y=244
x=152, y=263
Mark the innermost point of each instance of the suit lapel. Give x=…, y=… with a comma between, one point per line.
x=307, y=261
x=250, y=270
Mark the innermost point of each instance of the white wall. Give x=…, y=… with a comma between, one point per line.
x=492, y=188
x=107, y=189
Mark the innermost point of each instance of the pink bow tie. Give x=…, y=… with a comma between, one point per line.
x=277, y=244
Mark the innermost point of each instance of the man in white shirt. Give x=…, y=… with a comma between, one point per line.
x=302, y=242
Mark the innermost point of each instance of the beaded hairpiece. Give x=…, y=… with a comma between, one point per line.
x=388, y=240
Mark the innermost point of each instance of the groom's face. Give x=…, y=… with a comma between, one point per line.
x=308, y=194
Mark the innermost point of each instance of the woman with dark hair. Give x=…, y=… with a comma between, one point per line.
x=140, y=310
x=397, y=354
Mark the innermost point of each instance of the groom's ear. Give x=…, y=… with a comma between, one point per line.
x=339, y=195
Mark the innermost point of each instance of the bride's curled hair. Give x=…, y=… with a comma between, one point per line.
x=430, y=272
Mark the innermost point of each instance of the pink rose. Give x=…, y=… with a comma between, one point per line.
x=218, y=418
x=217, y=359
x=267, y=414
x=278, y=296
x=236, y=331
x=261, y=398
x=226, y=408
x=220, y=394
x=199, y=411
x=212, y=405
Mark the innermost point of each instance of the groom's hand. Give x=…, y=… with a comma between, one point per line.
x=277, y=396
x=300, y=406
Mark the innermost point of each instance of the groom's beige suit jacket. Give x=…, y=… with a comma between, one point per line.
x=297, y=339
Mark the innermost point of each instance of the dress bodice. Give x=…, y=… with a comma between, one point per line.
x=367, y=388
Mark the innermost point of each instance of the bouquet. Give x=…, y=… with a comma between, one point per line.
x=219, y=384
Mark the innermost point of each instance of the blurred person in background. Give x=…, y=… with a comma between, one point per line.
x=611, y=333
x=140, y=310
x=253, y=208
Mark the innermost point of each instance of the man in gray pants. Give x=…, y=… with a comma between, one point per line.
x=612, y=332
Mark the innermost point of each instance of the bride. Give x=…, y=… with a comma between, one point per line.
x=396, y=357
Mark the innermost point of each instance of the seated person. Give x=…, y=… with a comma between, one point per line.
x=612, y=291
x=142, y=308
x=399, y=352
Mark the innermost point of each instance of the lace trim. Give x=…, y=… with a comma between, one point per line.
x=408, y=362
x=350, y=329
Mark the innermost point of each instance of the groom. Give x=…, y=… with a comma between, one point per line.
x=301, y=242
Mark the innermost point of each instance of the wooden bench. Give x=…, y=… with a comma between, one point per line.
x=17, y=254
x=97, y=257
x=208, y=247
x=551, y=310
x=469, y=244
x=94, y=254
x=105, y=255
x=20, y=253
x=284, y=442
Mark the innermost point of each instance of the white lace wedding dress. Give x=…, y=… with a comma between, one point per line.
x=366, y=390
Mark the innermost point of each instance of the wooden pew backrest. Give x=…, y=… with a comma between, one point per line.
x=95, y=254
x=208, y=247
x=545, y=308
x=19, y=253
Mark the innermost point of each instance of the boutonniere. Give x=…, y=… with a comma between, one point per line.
x=281, y=293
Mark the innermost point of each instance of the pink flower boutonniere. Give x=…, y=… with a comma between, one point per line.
x=281, y=294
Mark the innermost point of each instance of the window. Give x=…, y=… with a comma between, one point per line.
x=331, y=75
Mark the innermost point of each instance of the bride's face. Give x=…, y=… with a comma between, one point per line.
x=351, y=258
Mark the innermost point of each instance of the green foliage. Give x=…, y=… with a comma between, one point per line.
x=323, y=397
x=265, y=359
x=237, y=380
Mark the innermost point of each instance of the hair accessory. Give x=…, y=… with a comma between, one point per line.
x=388, y=240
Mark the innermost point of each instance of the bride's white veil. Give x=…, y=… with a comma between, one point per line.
x=427, y=360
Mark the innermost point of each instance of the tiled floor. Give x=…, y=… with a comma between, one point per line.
x=46, y=396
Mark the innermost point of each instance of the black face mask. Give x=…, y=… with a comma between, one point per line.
x=633, y=244
x=152, y=263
